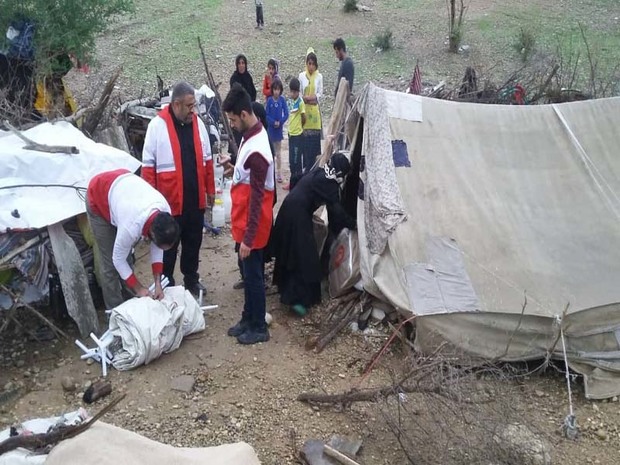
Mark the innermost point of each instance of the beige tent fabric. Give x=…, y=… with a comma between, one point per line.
x=528, y=198
x=104, y=444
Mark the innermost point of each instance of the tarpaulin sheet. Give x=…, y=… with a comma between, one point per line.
x=528, y=198
x=32, y=206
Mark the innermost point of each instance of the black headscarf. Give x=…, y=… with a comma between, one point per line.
x=337, y=167
x=245, y=78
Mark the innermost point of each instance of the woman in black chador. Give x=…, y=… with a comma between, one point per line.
x=297, y=270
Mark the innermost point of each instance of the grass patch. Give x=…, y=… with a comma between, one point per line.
x=384, y=40
x=524, y=44
x=349, y=6
x=161, y=39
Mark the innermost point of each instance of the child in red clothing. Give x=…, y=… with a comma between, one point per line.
x=270, y=75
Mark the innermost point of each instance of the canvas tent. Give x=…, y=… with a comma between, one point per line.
x=463, y=209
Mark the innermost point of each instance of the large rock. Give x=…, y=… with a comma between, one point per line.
x=518, y=444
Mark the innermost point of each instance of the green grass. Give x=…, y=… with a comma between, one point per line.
x=160, y=38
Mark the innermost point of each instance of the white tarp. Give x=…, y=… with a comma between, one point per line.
x=104, y=444
x=31, y=207
x=149, y=328
x=501, y=202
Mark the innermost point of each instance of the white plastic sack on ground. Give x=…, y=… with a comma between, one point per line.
x=37, y=426
x=104, y=444
x=149, y=328
x=344, y=263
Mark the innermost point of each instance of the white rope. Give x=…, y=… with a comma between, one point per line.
x=569, y=427
x=590, y=166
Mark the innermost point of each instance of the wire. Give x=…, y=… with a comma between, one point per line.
x=78, y=188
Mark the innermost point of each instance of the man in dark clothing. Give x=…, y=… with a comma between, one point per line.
x=347, y=70
x=252, y=211
x=177, y=161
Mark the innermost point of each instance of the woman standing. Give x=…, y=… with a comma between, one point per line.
x=312, y=90
x=243, y=76
x=297, y=269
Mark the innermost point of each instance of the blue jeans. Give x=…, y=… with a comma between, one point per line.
x=295, y=149
x=252, y=269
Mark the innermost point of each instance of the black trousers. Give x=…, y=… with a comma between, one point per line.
x=259, y=16
x=191, y=223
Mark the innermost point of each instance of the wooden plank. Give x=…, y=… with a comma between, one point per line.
x=337, y=120
x=73, y=281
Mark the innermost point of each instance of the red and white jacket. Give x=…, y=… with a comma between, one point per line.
x=240, y=192
x=130, y=204
x=161, y=160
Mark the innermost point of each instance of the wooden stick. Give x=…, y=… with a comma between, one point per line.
x=336, y=121
x=346, y=319
x=333, y=453
x=54, y=328
x=32, y=145
x=37, y=441
x=227, y=128
x=93, y=118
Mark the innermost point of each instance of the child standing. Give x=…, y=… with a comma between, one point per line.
x=297, y=115
x=277, y=114
x=270, y=75
x=260, y=23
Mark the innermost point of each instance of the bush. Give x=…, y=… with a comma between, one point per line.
x=384, y=40
x=350, y=6
x=62, y=27
x=524, y=44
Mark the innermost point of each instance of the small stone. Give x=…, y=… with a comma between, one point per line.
x=183, y=383
x=176, y=406
x=614, y=399
x=89, y=361
x=87, y=372
x=342, y=375
x=601, y=434
x=595, y=407
x=9, y=386
x=88, y=384
x=27, y=374
x=68, y=383
x=20, y=363
x=539, y=393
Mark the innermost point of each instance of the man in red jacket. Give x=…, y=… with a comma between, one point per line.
x=252, y=196
x=122, y=209
x=177, y=161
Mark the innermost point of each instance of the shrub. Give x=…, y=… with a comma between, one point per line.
x=350, y=6
x=525, y=43
x=383, y=40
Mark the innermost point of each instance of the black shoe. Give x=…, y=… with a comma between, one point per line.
x=238, y=329
x=239, y=285
x=253, y=336
x=196, y=288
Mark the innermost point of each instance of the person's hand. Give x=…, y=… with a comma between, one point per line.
x=159, y=292
x=210, y=200
x=244, y=251
x=141, y=291
x=228, y=170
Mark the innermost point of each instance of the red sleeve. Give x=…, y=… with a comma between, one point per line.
x=266, y=88
x=132, y=281
x=258, y=167
x=148, y=174
x=209, y=177
x=157, y=267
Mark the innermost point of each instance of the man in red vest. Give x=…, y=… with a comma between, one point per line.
x=177, y=161
x=252, y=211
x=121, y=210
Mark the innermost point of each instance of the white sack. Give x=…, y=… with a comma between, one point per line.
x=149, y=328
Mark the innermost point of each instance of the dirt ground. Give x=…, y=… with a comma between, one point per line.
x=249, y=393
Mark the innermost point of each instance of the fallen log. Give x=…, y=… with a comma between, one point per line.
x=38, y=441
